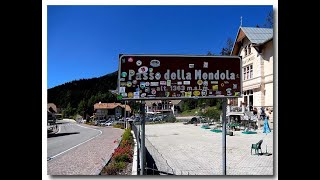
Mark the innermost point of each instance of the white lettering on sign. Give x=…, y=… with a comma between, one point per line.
x=182, y=75
x=214, y=76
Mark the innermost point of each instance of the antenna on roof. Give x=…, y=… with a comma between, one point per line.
x=240, y=21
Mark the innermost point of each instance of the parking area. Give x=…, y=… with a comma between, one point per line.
x=190, y=149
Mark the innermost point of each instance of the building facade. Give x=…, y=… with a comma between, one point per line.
x=255, y=46
x=112, y=110
x=163, y=106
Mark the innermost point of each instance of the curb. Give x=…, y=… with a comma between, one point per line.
x=135, y=155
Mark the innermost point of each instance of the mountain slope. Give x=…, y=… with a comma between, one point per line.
x=88, y=90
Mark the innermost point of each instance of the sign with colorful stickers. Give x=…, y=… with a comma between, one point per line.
x=149, y=77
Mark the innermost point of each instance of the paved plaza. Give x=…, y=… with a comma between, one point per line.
x=189, y=149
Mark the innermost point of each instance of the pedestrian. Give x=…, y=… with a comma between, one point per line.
x=262, y=113
x=255, y=111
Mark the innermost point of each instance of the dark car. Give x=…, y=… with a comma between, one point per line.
x=51, y=118
x=192, y=121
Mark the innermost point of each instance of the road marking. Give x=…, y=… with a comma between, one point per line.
x=49, y=158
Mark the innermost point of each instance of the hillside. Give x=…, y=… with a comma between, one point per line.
x=78, y=96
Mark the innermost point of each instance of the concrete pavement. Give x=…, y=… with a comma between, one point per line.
x=189, y=149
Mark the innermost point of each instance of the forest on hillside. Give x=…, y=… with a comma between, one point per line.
x=79, y=96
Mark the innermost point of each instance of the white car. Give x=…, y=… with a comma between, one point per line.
x=110, y=123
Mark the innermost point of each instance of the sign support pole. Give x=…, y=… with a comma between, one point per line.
x=224, y=164
x=143, y=148
x=125, y=115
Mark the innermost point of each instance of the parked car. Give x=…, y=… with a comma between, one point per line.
x=109, y=123
x=137, y=119
x=193, y=120
x=51, y=118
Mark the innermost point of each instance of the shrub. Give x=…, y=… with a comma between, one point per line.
x=127, y=135
x=170, y=118
x=114, y=167
x=120, y=165
x=121, y=155
x=122, y=150
x=125, y=143
x=122, y=158
x=118, y=126
x=213, y=113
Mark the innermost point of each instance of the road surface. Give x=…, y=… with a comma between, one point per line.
x=80, y=149
x=70, y=134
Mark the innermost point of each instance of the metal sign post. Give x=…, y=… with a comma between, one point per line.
x=125, y=115
x=143, y=148
x=224, y=133
x=168, y=77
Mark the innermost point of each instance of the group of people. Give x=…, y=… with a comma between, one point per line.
x=262, y=113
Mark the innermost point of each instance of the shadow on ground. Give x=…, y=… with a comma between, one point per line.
x=61, y=134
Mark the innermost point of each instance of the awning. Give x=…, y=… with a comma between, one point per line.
x=254, y=86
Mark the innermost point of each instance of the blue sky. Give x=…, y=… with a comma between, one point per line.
x=85, y=41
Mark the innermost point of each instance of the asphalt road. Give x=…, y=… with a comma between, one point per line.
x=69, y=136
x=81, y=149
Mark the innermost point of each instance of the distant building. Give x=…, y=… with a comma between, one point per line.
x=255, y=46
x=52, y=108
x=163, y=106
x=51, y=113
x=113, y=110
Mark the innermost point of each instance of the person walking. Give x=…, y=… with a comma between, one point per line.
x=262, y=113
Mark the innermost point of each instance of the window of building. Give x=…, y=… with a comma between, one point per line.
x=249, y=49
x=247, y=72
x=248, y=99
x=245, y=51
x=234, y=101
x=251, y=71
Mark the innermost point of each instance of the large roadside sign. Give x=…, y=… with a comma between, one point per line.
x=150, y=77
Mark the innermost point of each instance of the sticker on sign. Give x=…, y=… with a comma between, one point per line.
x=172, y=75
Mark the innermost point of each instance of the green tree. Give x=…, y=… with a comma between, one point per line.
x=210, y=54
x=69, y=111
x=135, y=106
x=226, y=51
x=75, y=91
x=185, y=106
x=212, y=113
x=82, y=108
x=269, y=20
x=90, y=105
